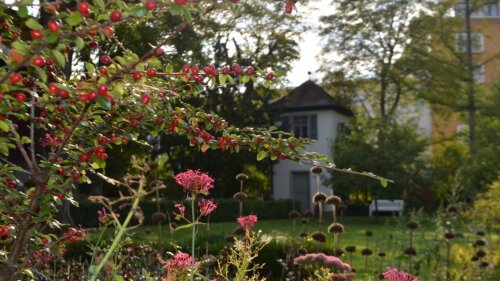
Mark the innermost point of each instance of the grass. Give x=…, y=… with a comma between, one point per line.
x=390, y=235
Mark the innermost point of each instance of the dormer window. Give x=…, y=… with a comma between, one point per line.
x=302, y=126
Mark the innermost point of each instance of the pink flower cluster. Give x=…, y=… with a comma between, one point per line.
x=322, y=259
x=180, y=262
x=195, y=182
x=392, y=274
x=181, y=208
x=247, y=222
x=206, y=207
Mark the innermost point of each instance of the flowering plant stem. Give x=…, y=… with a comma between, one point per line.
x=121, y=231
x=193, y=234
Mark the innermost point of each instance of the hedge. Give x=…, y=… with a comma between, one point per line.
x=227, y=210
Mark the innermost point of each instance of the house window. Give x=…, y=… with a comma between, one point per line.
x=479, y=74
x=489, y=9
x=303, y=126
x=477, y=45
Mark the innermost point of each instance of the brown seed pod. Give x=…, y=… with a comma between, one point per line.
x=350, y=249
x=381, y=276
x=301, y=251
x=480, y=233
x=316, y=170
x=338, y=252
x=480, y=242
x=173, y=225
x=480, y=254
x=319, y=236
x=368, y=233
x=336, y=228
x=308, y=214
x=319, y=197
x=333, y=200
x=342, y=207
x=410, y=251
x=294, y=214
x=484, y=264
x=229, y=238
x=241, y=177
x=158, y=217
x=449, y=235
x=304, y=221
x=366, y=252
x=303, y=234
x=238, y=231
x=240, y=196
x=474, y=258
x=381, y=254
x=412, y=225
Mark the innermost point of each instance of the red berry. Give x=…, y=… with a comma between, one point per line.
x=20, y=97
x=105, y=59
x=108, y=30
x=92, y=95
x=39, y=61
x=134, y=123
x=225, y=70
x=60, y=196
x=270, y=76
x=36, y=34
x=53, y=26
x=289, y=7
x=93, y=45
x=61, y=171
x=63, y=94
x=250, y=70
x=103, y=70
x=102, y=89
x=75, y=175
x=136, y=75
x=103, y=156
x=53, y=88
x=150, y=5
x=15, y=78
x=185, y=68
x=84, y=9
x=236, y=69
x=145, y=99
x=115, y=16
x=180, y=2
x=195, y=70
x=159, y=52
x=160, y=121
x=151, y=72
x=84, y=158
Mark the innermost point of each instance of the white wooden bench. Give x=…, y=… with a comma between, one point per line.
x=387, y=206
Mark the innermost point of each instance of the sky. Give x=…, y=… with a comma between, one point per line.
x=309, y=43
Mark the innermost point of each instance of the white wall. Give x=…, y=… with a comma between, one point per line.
x=327, y=132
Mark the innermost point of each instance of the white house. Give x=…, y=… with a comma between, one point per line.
x=307, y=111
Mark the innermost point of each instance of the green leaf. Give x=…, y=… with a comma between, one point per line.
x=261, y=155
x=90, y=68
x=175, y=9
x=4, y=126
x=267, y=84
x=79, y=43
x=138, y=11
x=383, y=182
x=74, y=18
x=52, y=37
x=245, y=79
x=41, y=74
x=61, y=60
x=19, y=46
x=99, y=164
x=222, y=79
x=189, y=225
x=117, y=277
x=34, y=24
x=22, y=12
x=28, y=272
x=104, y=102
x=187, y=13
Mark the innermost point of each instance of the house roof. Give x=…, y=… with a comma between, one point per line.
x=309, y=96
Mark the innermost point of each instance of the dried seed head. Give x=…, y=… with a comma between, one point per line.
x=341, y=207
x=480, y=233
x=451, y=209
x=319, y=236
x=316, y=170
x=294, y=214
x=412, y=225
x=304, y=221
x=350, y=249
x=241, y=177
x=480, y=254
x=368, y=233
x=308, y=214
x=410, y=251
x=303, y=234
x=333, y=200
x=484, y=264
x=338, y=252
x=173, y=225
x=240, y=196
x=229, y=238
x=158, y=217
x=336, y=228
x=301, y=251
x=480, y=242
x=449, y=235
x=381, y=254
x=474, y=258
x=366, y=252
x=287, y=248
x=381, y=276
x=319, y=197
x=238, y=231
x=148, y=231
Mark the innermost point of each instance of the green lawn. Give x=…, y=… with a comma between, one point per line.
x=390, y=236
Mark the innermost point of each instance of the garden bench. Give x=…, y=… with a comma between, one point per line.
x=386, y=206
